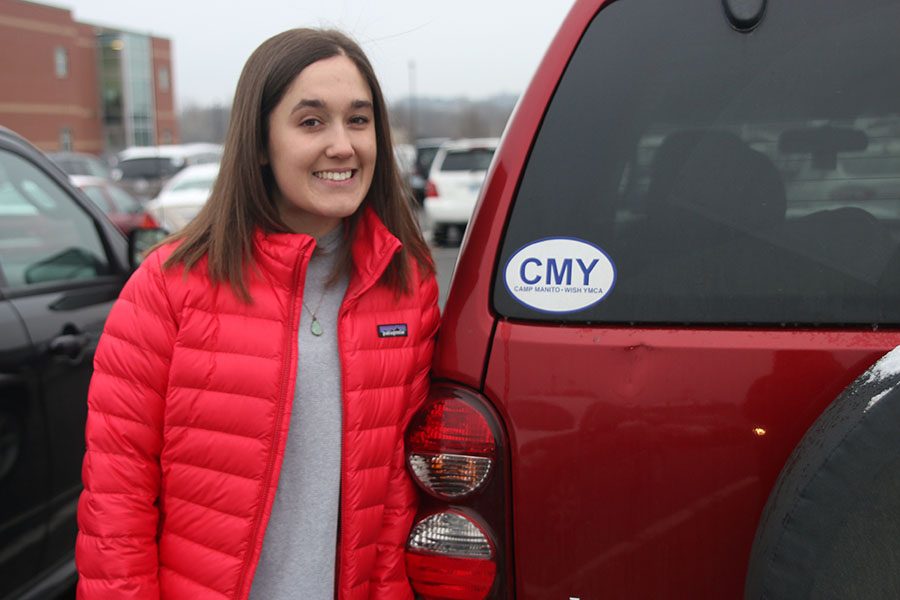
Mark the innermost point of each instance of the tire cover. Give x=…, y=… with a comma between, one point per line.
x=831, y=526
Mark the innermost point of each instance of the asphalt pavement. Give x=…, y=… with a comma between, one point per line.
x=444, y=259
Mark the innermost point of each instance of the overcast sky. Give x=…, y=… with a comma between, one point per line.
x=474, y=48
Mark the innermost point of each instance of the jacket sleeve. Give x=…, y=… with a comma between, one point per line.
x=116, y=550
x=389, y=575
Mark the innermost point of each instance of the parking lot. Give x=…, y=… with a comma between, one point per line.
x=444, y=260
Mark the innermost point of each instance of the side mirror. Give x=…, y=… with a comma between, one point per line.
x=140, y=241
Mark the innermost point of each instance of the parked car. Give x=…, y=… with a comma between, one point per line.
x=62, y=264
x=663, y=372
x=454, y=180
x=405, y=155
x=426, y=149
x=120, y=206
x=79, y=163
x=143, y=170
x=183, y=196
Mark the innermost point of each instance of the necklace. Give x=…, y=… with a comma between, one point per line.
x=315, y=327
x=325, y=243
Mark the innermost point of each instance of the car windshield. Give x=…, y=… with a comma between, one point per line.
x=731, y=178
x=74, y=165
x=475, y=159
x=125, y=201
x=95, y=193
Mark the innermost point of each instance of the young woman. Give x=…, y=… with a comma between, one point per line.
x=244, y=434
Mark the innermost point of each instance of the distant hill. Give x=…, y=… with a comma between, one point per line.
x=420, y=118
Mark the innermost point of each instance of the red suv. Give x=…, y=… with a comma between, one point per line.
x=660, y=370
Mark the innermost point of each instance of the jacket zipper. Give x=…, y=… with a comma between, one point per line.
x=279, y=416
x=340, y=550
x=345, y=308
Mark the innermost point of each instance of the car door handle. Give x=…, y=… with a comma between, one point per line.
x=70, y=345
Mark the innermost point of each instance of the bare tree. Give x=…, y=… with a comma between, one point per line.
x=205, y=123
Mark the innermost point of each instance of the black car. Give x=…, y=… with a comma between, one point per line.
x=62, y=264
x=426, y=150
x=79, y=163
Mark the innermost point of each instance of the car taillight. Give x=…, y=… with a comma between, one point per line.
x=148, y=222
x=430, y=189
x=450, y=448
x=450, y=556
x=456, y=452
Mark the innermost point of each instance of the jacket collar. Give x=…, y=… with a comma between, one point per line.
x=372, y=248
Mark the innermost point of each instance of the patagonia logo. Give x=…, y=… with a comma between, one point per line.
x=395, y=330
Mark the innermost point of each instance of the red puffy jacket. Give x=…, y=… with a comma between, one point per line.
x=188, y=414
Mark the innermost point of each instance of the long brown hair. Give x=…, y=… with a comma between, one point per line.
x=242, y=197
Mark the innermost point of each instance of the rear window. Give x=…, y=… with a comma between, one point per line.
x=424, y=158
x=149, y=168
x=204, y=158
x=723, y=178
x=476, y=159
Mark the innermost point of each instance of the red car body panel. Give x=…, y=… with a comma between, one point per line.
x=646, y=455
x=641, y=458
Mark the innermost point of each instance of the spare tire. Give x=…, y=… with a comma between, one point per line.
x=831, y=526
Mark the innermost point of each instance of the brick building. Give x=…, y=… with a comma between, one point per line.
x=66, y=85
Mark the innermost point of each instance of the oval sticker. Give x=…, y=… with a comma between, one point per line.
x=559, y=275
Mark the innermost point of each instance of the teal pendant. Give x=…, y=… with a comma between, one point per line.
x=316, y=327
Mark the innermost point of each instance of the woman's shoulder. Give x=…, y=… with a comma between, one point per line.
x=162, y=259
x=423, y=286
x=158, y=256
x=169, y=276
x=426, y=294
x=422, y=275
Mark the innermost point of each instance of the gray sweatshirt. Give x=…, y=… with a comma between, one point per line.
x=300, y=545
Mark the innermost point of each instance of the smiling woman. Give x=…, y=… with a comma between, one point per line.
x=322, y=146
x=301, y=300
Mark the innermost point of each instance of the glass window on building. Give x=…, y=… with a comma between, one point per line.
x=65, y=139
x=112, y=96
x=127, y=88
x=163, y=79
x=61, y=60
x=138, y=82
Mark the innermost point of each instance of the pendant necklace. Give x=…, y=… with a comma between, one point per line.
x=315, y=327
